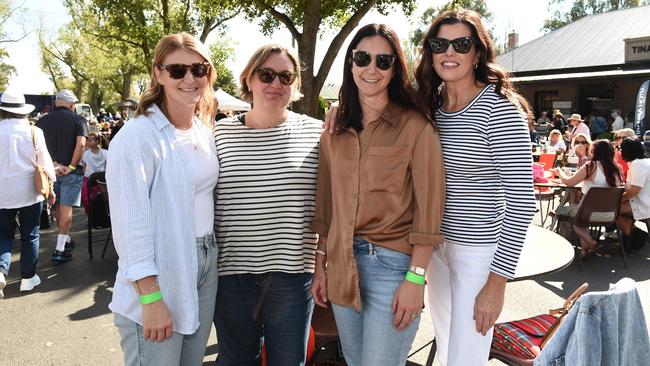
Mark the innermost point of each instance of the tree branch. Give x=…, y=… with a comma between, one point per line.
x=284, y=19
x=15, y=40
x=337, y=42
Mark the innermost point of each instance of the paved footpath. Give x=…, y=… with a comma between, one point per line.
x=66, y=321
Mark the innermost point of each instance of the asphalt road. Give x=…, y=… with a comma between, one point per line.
x=66, y=321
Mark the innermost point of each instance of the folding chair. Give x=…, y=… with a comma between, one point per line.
x=598, y=209
x=519, y=342
x=98, y=214
x=326, y=339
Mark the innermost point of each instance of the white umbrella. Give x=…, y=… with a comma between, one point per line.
x=227, y=101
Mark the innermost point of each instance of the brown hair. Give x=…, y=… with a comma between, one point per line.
x=400, y=90
x=487, y=71
x=206, y=107
x=603, y=152
x=10, y=115
x=258, y=58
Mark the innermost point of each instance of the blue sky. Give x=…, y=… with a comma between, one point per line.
x=525, y=17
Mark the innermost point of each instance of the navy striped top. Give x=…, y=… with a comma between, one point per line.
x=488, y=166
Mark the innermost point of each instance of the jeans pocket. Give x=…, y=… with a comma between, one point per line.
x=392, y=260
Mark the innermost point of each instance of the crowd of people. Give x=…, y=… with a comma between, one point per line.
x=249, y=221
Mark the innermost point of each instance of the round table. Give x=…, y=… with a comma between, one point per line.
x=543, y=252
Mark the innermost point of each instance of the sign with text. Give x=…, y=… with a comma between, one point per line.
x=640, y=120
x=637, y=49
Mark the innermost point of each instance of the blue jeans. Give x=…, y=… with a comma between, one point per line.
x=179, y=349
x=68, y=189
x=368, y=337
x=274, y=306
x=29, y=218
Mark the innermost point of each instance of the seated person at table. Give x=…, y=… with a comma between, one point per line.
x=636, y=199
x=601, y=171
x=580, y=147
x=619, y=136
x=555, y=142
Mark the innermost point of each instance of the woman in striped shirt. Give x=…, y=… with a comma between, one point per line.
x=264, y=205
x=489, y=198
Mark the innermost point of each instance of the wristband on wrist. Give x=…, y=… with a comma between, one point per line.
x=321, y=252
x=72, y=167
x=415, y=278
x=150, y=298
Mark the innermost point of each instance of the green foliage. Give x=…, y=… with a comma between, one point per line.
x=220, y=53
x=581, y=8
x=6, y=70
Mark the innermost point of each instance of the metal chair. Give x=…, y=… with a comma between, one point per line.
x=598, y=209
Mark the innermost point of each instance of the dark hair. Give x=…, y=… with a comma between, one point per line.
x=400, y=90
x=487, y=71
x=8, y=115
x=603, y=153
x=220, y=115
x=632, y=149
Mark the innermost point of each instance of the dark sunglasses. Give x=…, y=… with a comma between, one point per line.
x=267, y=76
x=363, y=59
x=461, y=45
x=178, y=71
x=581, y=142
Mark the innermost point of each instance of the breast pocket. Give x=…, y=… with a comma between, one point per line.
x=387, y=168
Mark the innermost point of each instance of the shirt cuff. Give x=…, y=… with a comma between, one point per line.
x=425, y=239
x=319, y=228
x=138, y=272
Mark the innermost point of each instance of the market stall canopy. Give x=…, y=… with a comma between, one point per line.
x=227, y=101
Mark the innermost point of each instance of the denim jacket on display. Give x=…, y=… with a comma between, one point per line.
x=603, y=328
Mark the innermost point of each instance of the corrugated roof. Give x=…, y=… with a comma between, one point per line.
x=594, y=40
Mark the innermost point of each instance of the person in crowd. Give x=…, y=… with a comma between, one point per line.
x=474, y=104
x=619, y=136
x=555, y=142
x=598, y=125
x=93, y=160
x=161, y=172
x=636, y=199
x=544, y=121
x=65, y=135
x=580, y=147
x=23, y=146
x=371, y=262
x=118, y=126
x=618, y=121
x=559, y=123
x=220, y=116
x=264, y=205
x=599, y=171
x=578, y=125
x=534, y=137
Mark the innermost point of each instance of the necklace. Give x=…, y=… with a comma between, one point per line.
x=188, y=137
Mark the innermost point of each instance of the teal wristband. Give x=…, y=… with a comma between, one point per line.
x=150, y=298
x=415, y=278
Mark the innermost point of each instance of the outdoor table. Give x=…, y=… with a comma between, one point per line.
x=566, y=193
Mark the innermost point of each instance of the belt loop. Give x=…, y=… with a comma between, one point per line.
x=371, y=249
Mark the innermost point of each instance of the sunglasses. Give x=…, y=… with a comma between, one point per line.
x=581, y=143
x=178, y=71
x=363, y=59
x=461, y=45
x=267, y=76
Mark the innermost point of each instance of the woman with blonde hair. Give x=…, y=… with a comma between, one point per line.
x=264, y=205
x=161, y=172
x=619, y=136
x=581, y=147
x=555, y=142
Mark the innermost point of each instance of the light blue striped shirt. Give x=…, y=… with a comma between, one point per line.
x=151, y=192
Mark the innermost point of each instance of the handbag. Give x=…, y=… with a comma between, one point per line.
x=42, y=181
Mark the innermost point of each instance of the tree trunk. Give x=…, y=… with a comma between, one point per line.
x=307, y=54
x=127, y=80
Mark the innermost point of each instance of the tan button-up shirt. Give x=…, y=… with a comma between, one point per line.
x=386, y=185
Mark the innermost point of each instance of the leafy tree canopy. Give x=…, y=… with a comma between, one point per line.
x=581, y=8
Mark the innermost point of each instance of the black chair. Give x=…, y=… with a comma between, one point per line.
x=99, y=218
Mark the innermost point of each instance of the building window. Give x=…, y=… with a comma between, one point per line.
x=544, y=101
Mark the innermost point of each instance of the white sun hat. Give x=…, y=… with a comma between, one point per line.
x=14, y=102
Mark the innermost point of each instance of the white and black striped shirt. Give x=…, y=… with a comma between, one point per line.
x=488, y=166
x=265, y=197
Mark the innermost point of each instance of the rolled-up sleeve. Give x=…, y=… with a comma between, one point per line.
x=323, y=213
x=129, y=176
x=427, y=170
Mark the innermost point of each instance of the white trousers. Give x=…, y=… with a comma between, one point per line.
x=455, y=276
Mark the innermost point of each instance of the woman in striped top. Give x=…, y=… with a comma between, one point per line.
x=489, y=198
x=264, y=205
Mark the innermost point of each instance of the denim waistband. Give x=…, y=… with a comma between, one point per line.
x=208, y=239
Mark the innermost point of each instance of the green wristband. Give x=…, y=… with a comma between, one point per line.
x=150, y=298
x=415, y=278
x=72, y=167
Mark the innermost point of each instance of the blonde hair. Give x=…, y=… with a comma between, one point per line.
x=206, y=107
x=583, y=135
x=625, y=132
x=258, y=58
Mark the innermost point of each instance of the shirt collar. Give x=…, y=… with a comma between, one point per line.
x=158, y=117
x=392, y=114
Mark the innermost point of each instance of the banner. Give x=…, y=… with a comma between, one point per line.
x=640, y=120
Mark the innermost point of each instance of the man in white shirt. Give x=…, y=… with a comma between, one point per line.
x=618, y=123
x=578, y=127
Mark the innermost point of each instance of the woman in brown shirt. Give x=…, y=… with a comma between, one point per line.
x=379, y=204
